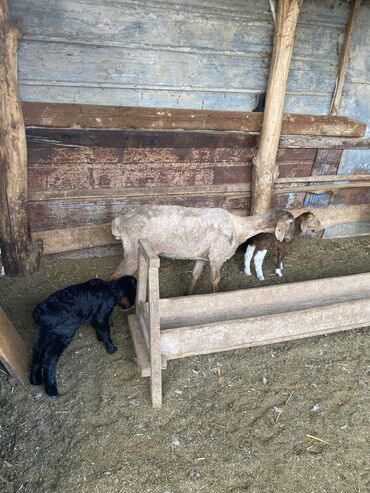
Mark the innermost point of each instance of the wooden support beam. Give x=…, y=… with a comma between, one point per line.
x=125, y=118
x=19, y=255
x=81, y=237
x=264, y=170
x=344, y=57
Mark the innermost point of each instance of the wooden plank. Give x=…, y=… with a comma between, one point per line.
x=324, y=187
x=264, y=170
x=13, y=350
x=154, y=335
x=80, y=237
x=344, y=57
x=227, y=190
x=267, y=329
x=141, y=350
x=323, y=142
x=143, y=139
x=60, y=115
x=326, y=162
x=331, y=216
x=350, y=196
x=50, y=137
x=323, y=178
x=150, y=256
x=69, y=239
x=267, y=300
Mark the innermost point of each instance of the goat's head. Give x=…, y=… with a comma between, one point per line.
x=309, y=224
x=284, y=228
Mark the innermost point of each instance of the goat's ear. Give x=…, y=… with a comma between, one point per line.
x=116, y=228
x=305, y=225
x=280, y=229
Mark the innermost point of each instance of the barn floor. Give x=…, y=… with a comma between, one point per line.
x=291, y=417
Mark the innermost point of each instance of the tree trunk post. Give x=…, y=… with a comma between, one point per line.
x=19, y=255
x=264, y=169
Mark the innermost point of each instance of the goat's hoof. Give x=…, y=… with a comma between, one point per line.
x=111, y=349
x=36, y=380
x=247, y=273
x=261, y=278
x=52, y=391
x=278, y=272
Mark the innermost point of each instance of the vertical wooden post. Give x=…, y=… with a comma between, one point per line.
x=142, y=281
x=155, y=338
x=264, y=171
x=344, y=57
x=19, y=255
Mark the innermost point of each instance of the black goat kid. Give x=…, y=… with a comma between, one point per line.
x=60, y=316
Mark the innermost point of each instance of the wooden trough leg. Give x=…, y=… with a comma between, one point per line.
x=155, y=341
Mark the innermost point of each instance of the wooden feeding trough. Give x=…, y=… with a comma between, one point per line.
x=171, y=328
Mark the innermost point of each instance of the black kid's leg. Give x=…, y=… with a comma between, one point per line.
x=49, y=364
x=103, y=335
x=36, y=366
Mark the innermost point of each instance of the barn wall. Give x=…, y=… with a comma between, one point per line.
x=212, y=54
x=356, y=104
x=79, y=177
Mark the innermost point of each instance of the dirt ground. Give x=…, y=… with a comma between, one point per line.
x=291, y=417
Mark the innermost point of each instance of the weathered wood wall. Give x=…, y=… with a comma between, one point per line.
x=79, y=177
x=212, y=54
x=356, y=103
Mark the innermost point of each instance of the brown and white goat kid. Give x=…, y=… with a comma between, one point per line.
x=306, y=225
x=202, y=234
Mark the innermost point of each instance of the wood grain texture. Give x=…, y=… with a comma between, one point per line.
x=19, y=255
x=265, y=329
x=344, y=57
x=13, y=350
x=127, y=118
x=264, y=164
x=81, y=237
x=208, y=50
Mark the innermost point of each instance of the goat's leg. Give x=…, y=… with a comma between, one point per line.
x=36, y=366
x=248, y=258
x=215, y=276
x=50, y=359
x=103, y=335
x=197, y=272
x=127, y=267
x=258, y=263
x=279, y=261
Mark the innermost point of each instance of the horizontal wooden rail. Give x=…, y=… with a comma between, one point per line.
x=81, y=237
x=322, y=178
x=231, y=191
x=59, y=115
x=324, y=142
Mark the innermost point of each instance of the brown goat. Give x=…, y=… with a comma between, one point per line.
x=306, y=225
